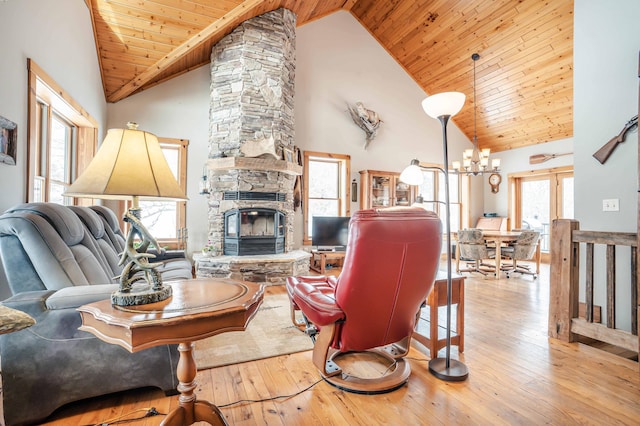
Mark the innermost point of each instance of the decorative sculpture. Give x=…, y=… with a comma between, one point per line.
x=366, y=119
x=260, y=147
x=541, y=158
x=138, y=267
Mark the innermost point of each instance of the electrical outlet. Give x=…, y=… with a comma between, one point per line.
x=611, y=205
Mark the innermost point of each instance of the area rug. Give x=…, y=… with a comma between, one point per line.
x=270, y=333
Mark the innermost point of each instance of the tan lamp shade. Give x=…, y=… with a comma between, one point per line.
x=130, y=163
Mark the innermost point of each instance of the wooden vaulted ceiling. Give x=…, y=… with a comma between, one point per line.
x=524, y=77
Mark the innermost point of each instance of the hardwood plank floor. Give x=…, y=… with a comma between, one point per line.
x=517, y=376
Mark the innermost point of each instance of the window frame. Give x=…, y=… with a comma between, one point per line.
x=180, y=241
x=344, y=186
x=462, y=195
x=555, y=176
x=43, y=90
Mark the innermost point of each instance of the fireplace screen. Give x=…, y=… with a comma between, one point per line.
x=253, y=231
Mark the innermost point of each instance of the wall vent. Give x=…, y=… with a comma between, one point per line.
x=254, y=196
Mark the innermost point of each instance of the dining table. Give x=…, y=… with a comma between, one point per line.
x=499, y=238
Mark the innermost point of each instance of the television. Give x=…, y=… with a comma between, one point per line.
x=330, y=233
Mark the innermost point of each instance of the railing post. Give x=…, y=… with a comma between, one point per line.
x=563, y=285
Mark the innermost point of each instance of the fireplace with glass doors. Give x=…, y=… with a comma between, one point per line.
x=254, y=231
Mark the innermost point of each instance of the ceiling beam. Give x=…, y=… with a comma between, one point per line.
x=182, y=50
x=348, y=5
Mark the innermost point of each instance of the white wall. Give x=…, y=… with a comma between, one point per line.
x=42, y=31
x=337, y=62
x=517, y=160
x=59, y=38
x=340, y=63
x=178, y=109
x=607, y=42
x=605, y=98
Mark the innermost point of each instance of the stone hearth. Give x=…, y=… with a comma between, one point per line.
x=268, y=269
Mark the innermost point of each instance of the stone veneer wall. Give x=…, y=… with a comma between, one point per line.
x=252, y=95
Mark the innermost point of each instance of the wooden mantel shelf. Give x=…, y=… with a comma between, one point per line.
x=245, y=163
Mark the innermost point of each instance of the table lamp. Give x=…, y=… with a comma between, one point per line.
x=130, y=165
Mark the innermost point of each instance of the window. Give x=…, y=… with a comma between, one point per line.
x=432, y=193
x=59, y=158
x=538, y=198
x=326, y=183
x=62, y=139
x=166, y=220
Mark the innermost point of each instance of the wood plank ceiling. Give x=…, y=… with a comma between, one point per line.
x=524, y=77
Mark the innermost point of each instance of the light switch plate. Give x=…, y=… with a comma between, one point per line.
x=611, y=205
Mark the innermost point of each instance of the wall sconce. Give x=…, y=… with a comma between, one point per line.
x=203, y=186
x=354, y=191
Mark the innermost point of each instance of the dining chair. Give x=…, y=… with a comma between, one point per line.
x=474, y=251
x=523, y=248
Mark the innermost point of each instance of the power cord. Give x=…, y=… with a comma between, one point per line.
x=149, y=412
x=280, y=397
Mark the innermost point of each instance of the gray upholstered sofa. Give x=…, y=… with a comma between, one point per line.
x=57, y=258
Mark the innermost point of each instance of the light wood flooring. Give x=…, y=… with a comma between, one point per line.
x=518, y=376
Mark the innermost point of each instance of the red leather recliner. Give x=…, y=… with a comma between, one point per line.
x=389, y=269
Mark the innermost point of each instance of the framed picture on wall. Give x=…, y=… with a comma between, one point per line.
x=8, y=141
x=288, y=155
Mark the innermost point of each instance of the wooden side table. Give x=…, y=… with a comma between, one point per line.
x=319, y=259
x=197, y=309
x=437, y=298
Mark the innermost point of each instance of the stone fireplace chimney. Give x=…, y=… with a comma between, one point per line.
x=251, y=128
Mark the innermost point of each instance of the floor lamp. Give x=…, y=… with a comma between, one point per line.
x=442, y=106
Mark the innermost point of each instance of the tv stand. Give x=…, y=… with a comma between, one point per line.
x=319, y=259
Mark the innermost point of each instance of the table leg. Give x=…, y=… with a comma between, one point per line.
x=433, y=323
x=498, y=258
x=460, y=315
x=189, y=410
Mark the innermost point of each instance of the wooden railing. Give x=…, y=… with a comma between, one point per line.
x=566, y=320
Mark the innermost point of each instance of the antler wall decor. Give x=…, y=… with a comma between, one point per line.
x=366, y=119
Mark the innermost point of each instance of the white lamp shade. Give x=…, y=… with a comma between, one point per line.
x=446, y=103
x=412, y=175
x=129, y=163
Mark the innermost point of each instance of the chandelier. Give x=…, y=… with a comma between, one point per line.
x=475, y=161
